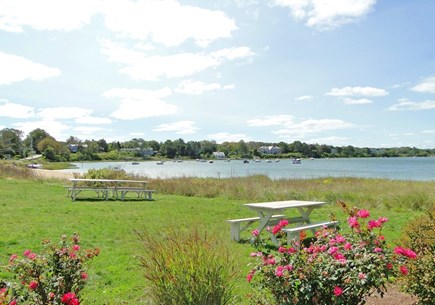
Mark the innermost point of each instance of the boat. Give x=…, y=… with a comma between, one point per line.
x=245, y=161
x=296, y=161
x=34, y=165
x=135, y=163
x=210, y=161
x=160, y=162
x=268, y=161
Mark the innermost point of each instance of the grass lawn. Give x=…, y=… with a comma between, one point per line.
x=33, y=210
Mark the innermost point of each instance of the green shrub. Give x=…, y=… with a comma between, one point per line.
x=420, y=235
x=187, y=268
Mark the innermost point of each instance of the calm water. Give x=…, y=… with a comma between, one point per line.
x=389, y=168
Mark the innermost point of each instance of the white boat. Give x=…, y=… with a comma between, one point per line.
x=296, y=161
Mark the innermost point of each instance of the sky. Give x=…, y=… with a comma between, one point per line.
x=335, y=72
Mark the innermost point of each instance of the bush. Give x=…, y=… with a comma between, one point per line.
x=335, y=268
x=420, y=235
x=187, y=268
x=54, y=277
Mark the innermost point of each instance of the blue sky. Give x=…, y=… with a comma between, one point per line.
x=338, y=72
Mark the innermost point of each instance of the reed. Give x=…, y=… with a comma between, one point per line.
x=367, y=193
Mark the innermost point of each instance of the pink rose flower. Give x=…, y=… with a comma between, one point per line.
x=33, y=285
x=363, y=213
x=338, y=291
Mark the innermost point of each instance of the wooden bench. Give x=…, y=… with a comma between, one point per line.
x=74, y=191
x=236, y=224
x=148, y=194
x=293, y=234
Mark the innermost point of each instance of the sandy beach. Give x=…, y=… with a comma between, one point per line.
x=52, y=174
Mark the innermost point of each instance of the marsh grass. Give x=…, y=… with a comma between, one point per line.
x=368, y=193
x=32, y=210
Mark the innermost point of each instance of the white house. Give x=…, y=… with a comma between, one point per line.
x=271, y=150
x=219, y=155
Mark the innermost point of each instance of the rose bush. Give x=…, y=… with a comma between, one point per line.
x=334, y=268
x=56, y=276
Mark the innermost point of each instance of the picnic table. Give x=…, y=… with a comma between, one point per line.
x=270, y=213
x=102, y=187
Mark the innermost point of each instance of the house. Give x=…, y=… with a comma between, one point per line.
x=219, y=155
x=270, y=150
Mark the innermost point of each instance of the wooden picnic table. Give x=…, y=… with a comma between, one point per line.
x=118, y=187
x=270, y=213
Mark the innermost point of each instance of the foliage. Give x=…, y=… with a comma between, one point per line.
x=420, y=235
x=56, y=276
x=187, y=268
x=335, y=268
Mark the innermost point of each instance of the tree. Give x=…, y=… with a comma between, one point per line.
x=34, y=137
x=10, y=142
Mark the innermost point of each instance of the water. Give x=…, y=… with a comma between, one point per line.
x=417, y=169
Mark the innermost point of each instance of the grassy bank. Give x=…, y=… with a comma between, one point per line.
x=33, y=210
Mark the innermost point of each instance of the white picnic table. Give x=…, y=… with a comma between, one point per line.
x=118, y=187
x=267, y=210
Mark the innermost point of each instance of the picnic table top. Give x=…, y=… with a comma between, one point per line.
x=279, y=205
x=106, y=180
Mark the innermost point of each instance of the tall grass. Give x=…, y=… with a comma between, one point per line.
x=368, y=193
x=187, y=268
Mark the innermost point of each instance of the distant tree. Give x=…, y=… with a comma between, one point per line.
x=34, y=137
x=104, y=147
x=10, y=142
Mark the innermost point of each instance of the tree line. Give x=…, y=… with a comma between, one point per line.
x=13, y=145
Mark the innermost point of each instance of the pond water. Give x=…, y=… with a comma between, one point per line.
x=418, y=169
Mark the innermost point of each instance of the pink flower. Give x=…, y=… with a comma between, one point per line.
x=353, y=222
x=338, y=291
x=389, y=266
x=255, y=233
x=362, y=276
x=27, y=252
x=13, y=302
x=279, y=271
x=76, y=248
x=404, y=270
x=347, y=246
x=12, y=258
x=363, y=213
x=84, y=276
x=51, y=295
x=70, y=299
x=377, y=250
x=250, y=276
x=33, y=285
x=405, y=252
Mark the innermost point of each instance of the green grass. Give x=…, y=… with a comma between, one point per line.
x=33, y=210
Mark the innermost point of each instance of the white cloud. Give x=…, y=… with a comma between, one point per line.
x=16, y=68
x=16, y=111
x=87, y=119
x=137, y=103
x=221, y=137
x=84, y=130
x=349, y=101
x=167, y=22
x=304, y=98
x=181, y=127
x=198, y=87
x=426, y=86
x=405, y=104
x=333, y=140
x=311, y=126
x=428, y=131
x=54, y=128
x=327, y=14
x=58, y=113
x=138, y=66
x=276, y=120
x=62, y=15
x=357, y=91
